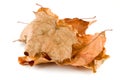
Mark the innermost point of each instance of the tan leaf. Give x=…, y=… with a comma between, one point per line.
x=43, y=36
x=48, y=39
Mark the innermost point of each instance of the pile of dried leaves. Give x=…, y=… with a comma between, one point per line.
x=62, y=41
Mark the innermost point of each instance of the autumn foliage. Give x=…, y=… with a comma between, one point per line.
x=62, y=41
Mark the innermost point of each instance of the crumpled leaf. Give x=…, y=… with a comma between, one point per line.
x=44, y=37
x=63, y=41
x=90, y=52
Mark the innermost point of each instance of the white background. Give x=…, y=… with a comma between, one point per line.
x=107, y=14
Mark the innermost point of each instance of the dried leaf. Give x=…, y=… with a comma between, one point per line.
x=43, y=36
x=48, y=39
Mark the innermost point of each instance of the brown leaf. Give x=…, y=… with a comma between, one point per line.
x=43, y=35
x=48, y=39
